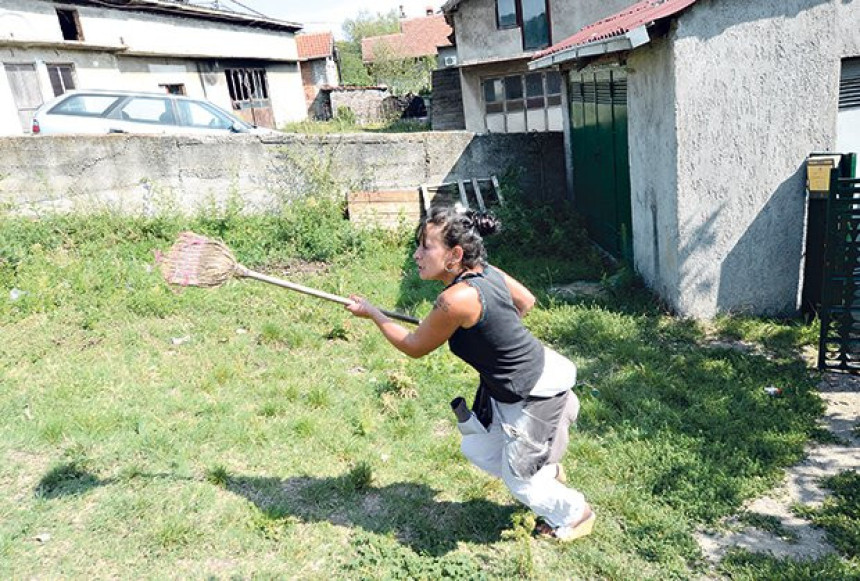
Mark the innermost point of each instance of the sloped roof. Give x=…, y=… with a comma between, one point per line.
x=417, y=37
x=187, y=10
x=642, y=13
x=315, y=46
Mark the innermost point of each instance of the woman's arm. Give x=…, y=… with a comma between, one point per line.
x=524, y=300
x=451, y=310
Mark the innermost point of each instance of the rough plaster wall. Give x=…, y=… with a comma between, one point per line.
x=756, y=91
x=653, y=147
x=151, y=173
x=477, y=34
x=286, y=93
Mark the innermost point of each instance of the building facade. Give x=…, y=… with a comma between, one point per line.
x=244, y=64
x=495, y=40
x=708, y=110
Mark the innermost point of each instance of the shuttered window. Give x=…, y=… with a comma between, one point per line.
x=849, y=84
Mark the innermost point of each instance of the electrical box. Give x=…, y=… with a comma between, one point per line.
x=819, y=168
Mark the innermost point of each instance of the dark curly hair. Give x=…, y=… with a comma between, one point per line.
x=466, y=229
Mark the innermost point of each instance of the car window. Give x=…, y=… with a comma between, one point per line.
x=94, y=105
x=198, y=115
x=147, y=110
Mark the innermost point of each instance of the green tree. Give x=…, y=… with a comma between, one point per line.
x=401, y=75
x=352, y=69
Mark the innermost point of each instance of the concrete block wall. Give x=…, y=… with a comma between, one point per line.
x=147, y=174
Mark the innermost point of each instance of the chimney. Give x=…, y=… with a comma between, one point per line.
x=402, y=13
x=429, y=11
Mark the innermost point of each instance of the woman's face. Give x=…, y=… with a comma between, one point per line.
x=432, y=255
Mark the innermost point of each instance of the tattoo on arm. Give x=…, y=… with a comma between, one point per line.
x=441, y=304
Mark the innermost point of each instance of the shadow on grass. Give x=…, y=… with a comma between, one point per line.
x=405, y=510
x=74, y=479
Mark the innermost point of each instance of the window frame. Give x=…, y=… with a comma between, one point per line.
x=72, y=75
x=502, y=102
x=74, y=19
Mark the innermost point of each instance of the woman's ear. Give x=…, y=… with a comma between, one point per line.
x=457, y=253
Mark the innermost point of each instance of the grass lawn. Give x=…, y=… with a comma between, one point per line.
x=249, y=431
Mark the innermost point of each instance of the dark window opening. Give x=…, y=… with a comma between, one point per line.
x=62, y=78
x=178, y=89
x=248, y=88
x=70, y=24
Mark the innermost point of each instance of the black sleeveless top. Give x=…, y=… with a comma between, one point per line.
x=507, y=356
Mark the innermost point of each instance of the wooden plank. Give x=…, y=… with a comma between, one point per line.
x=463, y=199
x=425, y=198
x=478, y=195
x=497, y=189
x=386, y=208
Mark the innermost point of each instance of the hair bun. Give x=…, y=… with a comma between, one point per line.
x=485, y=223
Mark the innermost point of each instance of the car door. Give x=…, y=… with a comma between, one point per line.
x=144, y=114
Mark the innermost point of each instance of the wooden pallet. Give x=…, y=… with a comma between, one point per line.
x=391, y=208
x=469, y=193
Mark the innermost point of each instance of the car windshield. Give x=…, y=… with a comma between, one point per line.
x=94, y=105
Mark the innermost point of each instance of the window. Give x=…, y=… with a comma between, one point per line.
x=178, y=89
x=506, y=13
x=198, y=115
x=248, y=88
x=529, y=102
x=530, y=15
x=70, y=24
x=62, y=78
x=493, y=96
x=94, y=105
x=535, y=24
x=148, y=110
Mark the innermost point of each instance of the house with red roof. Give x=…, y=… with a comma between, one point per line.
x=319, y=65
x=418, y=37
x=689, y=129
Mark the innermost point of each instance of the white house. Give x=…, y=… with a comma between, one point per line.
x=243, y=63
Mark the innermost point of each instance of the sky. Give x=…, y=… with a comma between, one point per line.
x=328, y=15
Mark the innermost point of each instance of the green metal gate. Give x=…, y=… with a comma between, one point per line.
x=601, y=172
x=839, y=342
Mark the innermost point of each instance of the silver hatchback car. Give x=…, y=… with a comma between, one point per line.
x=102, y=112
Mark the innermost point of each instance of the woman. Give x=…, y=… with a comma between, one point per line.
x=524, y=401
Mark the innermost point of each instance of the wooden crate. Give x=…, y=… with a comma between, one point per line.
x=385, y=208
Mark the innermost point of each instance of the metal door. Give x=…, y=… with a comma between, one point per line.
x=601, y=171
x=839, y=342
x=25, y=90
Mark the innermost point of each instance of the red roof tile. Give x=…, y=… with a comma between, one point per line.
x=641, y=13
x=315, y=46
x=417, y=37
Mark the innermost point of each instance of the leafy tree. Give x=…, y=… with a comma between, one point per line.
x=401, y=75
x=367, y=24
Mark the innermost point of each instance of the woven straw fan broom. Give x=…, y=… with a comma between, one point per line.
x=196, y=260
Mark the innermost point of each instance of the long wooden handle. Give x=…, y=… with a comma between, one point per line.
x=242, y=271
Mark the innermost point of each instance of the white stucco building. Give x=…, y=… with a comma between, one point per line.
x=242, y=63
x=690, y=123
